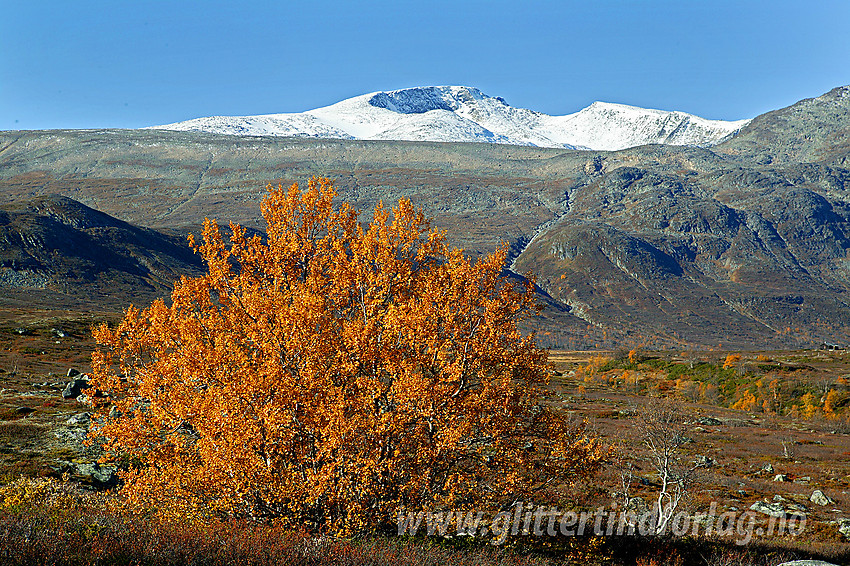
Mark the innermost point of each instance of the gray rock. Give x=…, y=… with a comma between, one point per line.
x=637, y=505
x=709, y=421
x=71, y=435
x=704, y=461
x=780, y=477
x=101, y=476
x=76, y=386
x=593, y=166
x=807, y=563
x=766, y=469
x=770, y=509
x=844, y=527
x=80, y=419
x=73, y=372
x=779, y=498
x=820, y=498
x=702, y=519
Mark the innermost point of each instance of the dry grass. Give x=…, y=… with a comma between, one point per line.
x=20, y=432
x=50, y=522
x=740, y=445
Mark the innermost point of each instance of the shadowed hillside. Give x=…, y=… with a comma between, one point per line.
x=56, y=252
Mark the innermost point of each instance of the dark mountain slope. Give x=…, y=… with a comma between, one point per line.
x=483, y=194
x=654, y=256
x=53, y=249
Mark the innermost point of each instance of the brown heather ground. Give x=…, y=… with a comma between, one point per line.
x=745, y=442
x=589, y=384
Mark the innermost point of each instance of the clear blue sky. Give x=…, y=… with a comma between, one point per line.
x=86, y=64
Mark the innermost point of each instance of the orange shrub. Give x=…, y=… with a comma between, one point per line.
x=731, y=361
x=333, y=374
x=747, y=402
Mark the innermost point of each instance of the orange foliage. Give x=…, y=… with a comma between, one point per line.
x=810, y=405
x=747, y=402
x=731, y=361
x=333, y=374
x=592, y=370
x=708, y=393
x=830, y=400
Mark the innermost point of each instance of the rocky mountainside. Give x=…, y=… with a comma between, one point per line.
x=465, y=114
x=57, y=252
x=743, y=244
x=815, y=130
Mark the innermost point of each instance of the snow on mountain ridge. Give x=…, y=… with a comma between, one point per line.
x=459, y=113
x=617, y=126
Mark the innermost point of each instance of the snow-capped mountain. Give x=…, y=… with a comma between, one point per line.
x=465, y=114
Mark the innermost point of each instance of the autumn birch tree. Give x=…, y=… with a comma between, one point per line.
x=331, y=373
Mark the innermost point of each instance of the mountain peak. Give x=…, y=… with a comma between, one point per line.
x=618, y=107
x=839, y=95
x=465, y=114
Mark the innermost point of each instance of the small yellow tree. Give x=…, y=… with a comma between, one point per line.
x=331, y=374
x=829, y=402
x=732, y=361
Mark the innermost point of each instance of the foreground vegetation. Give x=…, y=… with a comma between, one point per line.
x=50, y=522
x=60, y=523
x=770, y=384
